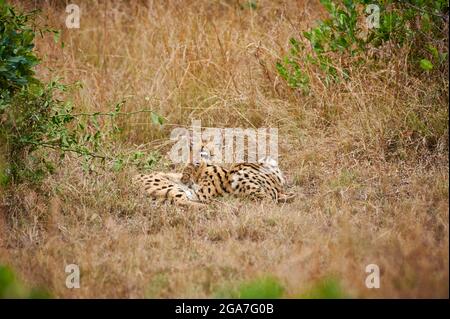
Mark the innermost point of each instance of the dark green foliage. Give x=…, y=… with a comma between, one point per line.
x=346, y=37
x=290, y=69
x=17, y=58
x=35, y=120
x=33, y=117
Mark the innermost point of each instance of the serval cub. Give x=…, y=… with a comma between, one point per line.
x=257, y=181
x=165, y=187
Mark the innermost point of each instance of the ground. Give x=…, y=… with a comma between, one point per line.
x=369, y=190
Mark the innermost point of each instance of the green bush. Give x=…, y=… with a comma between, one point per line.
x=269, y=287
x=34, y=118
x=266, y=288
x=31, y=117
x=11, y=287
x=327, y=288
x=260, y=288
x=17, y=58
x=344, y=39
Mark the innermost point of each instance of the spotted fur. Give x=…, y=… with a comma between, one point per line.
x=201, y=181
x=257, y=181
x=165, y=187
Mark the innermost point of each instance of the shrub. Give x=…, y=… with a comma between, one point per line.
x=11, y=287
x=348, y=37
x=326, y=288
x=17, y=58
x=266, y=287
x=33, y=116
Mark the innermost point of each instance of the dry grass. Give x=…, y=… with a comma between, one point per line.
x=371, y=190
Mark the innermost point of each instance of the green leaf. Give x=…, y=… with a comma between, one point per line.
x=434, y=51
x=329, y=6
x=426, y=65
x=118, y=164
x=157, y=119
x=137, y=155
x=56, y=36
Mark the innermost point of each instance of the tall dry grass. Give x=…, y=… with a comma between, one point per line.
x=371, y=188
